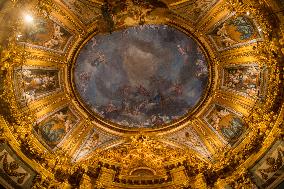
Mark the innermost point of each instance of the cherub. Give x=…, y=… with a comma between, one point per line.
x=57, y=33
x=56, y=39
x=68, y=125
x=61, y=116
x=29, y=96
x=222, y=32
x=252, y=71
x=181, y=50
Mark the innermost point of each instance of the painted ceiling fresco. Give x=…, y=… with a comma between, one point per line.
x=87, y=100
x=235, y=31
x=46, y=34
x=193, y=10
x=53, y=128
x=190, y=138
x=226, y=123
x=142, y=76
x=245, y=79
x=33, y=83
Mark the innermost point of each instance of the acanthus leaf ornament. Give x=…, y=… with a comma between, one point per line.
x=143, y=153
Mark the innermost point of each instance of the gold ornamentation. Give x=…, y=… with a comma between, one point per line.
x=274, y=164
x=10, y=168
x=138, y=151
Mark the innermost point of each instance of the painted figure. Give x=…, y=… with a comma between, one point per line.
x=56, y=39
x=140, y=78
x=244, y=79
x=54, y=128
x=234, y=31
x=226, y=123
x=47, y=34
x=121, y=13
x=37, y=82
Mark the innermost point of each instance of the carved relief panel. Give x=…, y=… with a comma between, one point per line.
x=269, y=171
x=14, y=173
x=190, y=138
x=94, y=140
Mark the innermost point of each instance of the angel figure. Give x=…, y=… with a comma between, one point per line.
x=222, y=33
x=56, y=39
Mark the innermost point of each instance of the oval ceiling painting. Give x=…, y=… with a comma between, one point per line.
x=143, y=76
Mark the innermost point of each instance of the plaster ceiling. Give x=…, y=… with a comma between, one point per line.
x=98, y=80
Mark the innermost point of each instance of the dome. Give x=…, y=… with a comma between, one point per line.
x=141, y=94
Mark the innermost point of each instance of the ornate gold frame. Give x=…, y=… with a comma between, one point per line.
x=184, y=120
x=264, y=118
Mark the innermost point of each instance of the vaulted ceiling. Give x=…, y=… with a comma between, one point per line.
x=141, y=94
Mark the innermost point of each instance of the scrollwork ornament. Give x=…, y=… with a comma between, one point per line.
x=42, y=182
x=44, y=7
x=281, y=41
x=242, y=180
x=261, y=120
x=236, y=5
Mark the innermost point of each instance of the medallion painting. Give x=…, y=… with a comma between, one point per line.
x=226, y=123
x=244, y=79
x=143, y=76
x=34, y=83
x=236, y=31
x=55, y=127
x=47, y=34
x=269, y=169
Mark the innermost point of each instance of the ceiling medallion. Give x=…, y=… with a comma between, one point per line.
x=145, y=76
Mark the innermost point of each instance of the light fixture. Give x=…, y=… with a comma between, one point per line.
x=18, y=37
x=28, y=18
